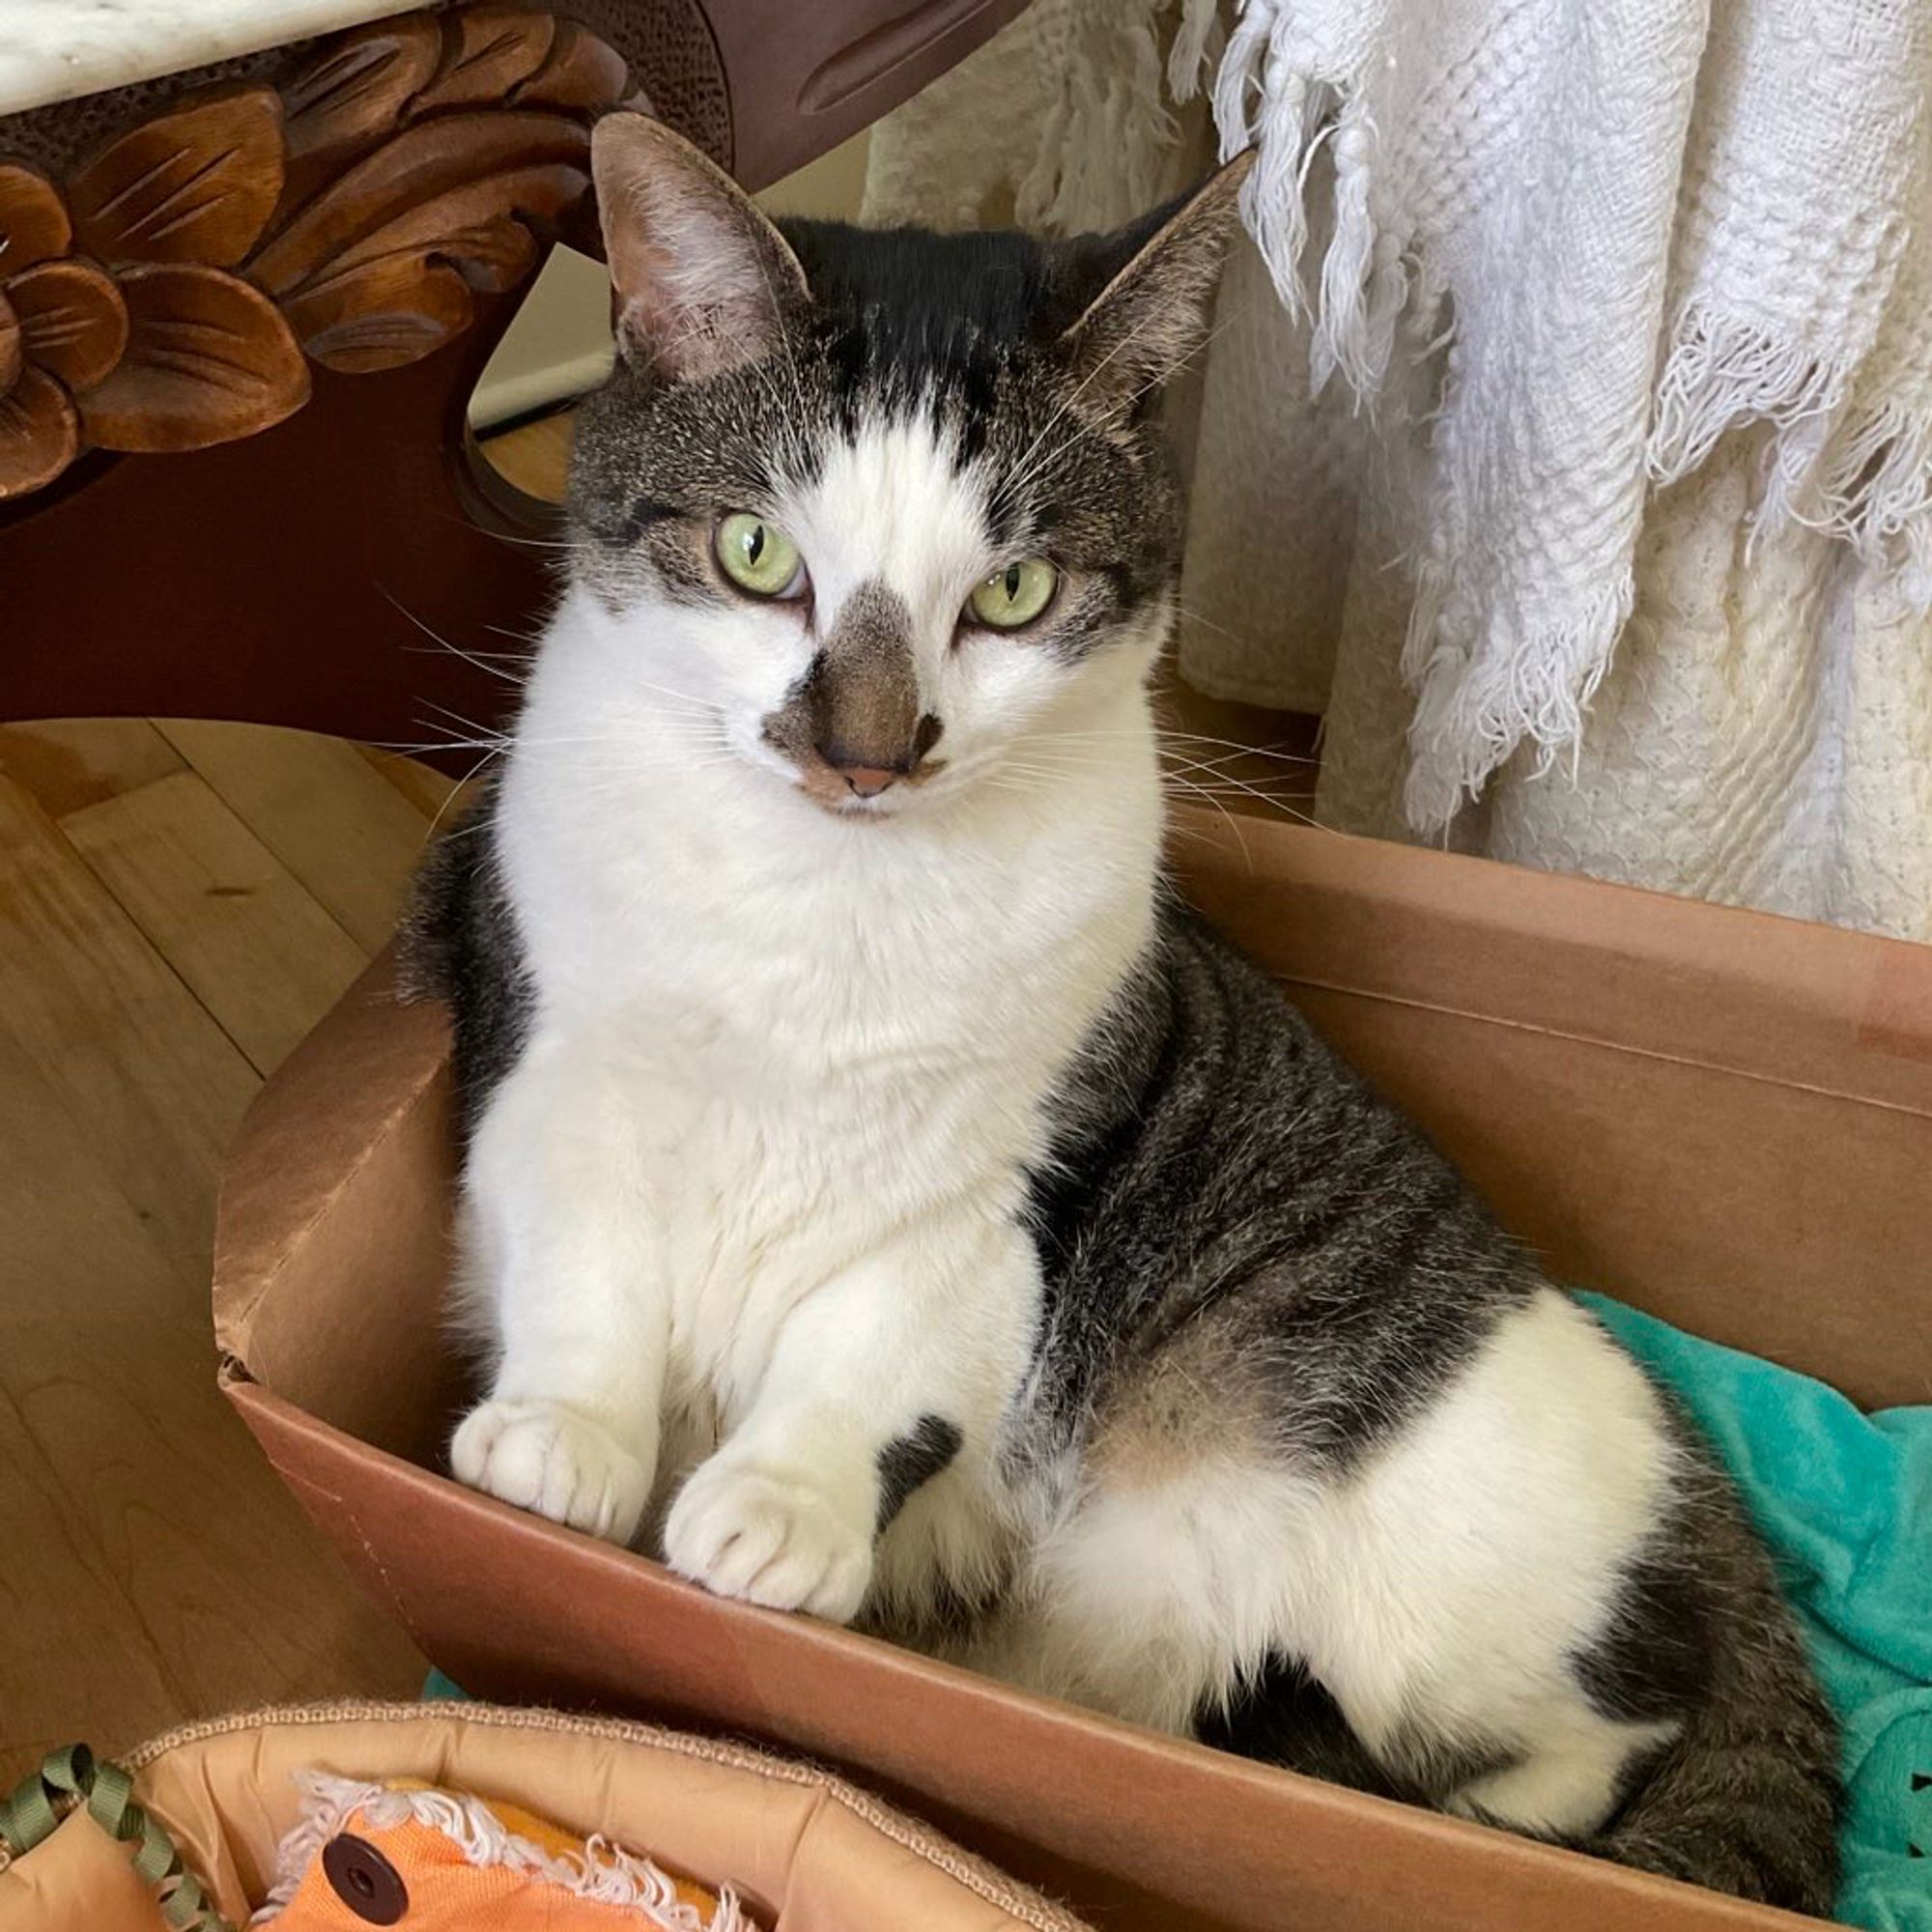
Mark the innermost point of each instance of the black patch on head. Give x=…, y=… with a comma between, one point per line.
x=940, y=314
x=912, y=1461
x=961, y=331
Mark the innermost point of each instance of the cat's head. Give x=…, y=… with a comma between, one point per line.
x=881, y=511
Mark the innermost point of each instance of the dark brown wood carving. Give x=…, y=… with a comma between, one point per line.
x=172, y=292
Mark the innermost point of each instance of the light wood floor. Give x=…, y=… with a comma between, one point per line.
x=179, y=903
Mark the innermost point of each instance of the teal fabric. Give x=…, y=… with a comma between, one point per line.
x=1844, y=1499
x=439, y=1689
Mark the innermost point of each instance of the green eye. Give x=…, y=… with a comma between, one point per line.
x=1016, y=595
x=759, y=556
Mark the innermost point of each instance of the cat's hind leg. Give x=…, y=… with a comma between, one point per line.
x=1469, y=1564
x=1435, y=1588
x=1160, y=1555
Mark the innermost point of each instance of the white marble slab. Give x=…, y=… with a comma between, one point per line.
x=58, y=49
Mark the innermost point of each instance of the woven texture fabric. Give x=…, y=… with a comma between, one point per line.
x=1580, y=470
x=1641, y=297
x=1058, y=122
x=1763, y=736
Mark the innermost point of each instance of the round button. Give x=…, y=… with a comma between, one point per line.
x=365, y=1880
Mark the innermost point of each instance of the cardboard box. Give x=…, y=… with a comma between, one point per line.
x=1722, y=1117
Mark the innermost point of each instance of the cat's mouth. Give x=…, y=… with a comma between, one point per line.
x=860, y=791
x=856, y=743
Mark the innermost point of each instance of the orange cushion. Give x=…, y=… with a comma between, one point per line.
x=407, y=1856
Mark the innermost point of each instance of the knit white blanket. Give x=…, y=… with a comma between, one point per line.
x=1582, y=474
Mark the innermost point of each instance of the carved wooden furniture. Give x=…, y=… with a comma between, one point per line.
x=242, y=309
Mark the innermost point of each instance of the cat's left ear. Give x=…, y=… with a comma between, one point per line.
x=1152, y=312
x=702, y=277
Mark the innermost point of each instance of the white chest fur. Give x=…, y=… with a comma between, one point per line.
x=820, y=1029
x=786, y=1075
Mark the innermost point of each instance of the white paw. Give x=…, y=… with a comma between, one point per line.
x=545, y=1456
x=766, y=1536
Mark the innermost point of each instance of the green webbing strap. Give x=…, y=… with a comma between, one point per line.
x=71, y=1778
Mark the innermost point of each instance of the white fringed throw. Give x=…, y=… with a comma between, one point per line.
x=1570, y=183
x=1583, y=474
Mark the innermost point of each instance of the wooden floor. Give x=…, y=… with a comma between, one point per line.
x=179, y=903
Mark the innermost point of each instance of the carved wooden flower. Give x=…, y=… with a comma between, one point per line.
x=443, y=144
x=173, y=295
x=63, y=328
x=121, y=325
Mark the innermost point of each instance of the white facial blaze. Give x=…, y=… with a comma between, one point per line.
x=893, y=506
x=890, y=506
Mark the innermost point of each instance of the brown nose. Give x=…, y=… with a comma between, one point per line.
x=867, y=780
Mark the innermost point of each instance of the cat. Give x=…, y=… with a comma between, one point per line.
x=882, y=1199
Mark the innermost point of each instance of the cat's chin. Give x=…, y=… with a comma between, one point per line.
x=851, y=811
x=831, y=795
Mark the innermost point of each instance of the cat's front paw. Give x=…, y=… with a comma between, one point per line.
x=553, y=1460
x=771, y=1537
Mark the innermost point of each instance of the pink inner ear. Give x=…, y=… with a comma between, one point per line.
x=694, y=298
x=699, y=272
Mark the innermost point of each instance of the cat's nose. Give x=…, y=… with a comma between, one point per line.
x=867, y=780
x=873, y=761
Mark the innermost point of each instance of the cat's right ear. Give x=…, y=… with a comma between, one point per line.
x=1152, y=313
x=702, y=279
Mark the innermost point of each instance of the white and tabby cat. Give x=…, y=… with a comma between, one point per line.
x=881, y=1201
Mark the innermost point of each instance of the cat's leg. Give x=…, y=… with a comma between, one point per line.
x=567, y=1281
x=1443, y=1589
x=1485, y=1566
x=1149, y=1592
x=890, y=1374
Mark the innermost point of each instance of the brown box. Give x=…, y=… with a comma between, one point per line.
x=1722, y=1117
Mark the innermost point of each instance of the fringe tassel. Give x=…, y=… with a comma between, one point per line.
x=1536, y=687
x=1874, y=491
x=1292, y=77
x=1341, y=338
x=1788, y=492
x=1281, y=127
x=605, y=1872
x=1042, y=185
x=1723, y=370
x=1193, y=51
x=1867, y=481
x=1098, y=154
